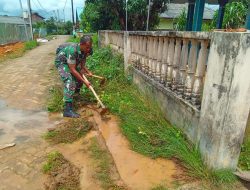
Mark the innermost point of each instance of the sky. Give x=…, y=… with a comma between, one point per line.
x=43, y=7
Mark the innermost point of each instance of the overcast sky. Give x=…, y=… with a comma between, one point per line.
x=45, y=8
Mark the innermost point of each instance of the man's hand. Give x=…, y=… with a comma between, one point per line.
x=90, y=74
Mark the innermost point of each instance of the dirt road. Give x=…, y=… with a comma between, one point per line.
x=24, y=83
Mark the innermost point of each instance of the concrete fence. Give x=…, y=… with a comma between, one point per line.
x=200, y=80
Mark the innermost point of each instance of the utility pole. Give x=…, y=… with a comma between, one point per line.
x=56, y=21
x=64, y=15
x=58, y=15
x=149, y=4
x=126, y=15
x=26, y=32
x=31, y=28
x=73, y=20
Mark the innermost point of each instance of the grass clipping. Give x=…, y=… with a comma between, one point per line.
x=68, y=132
x=61, y=173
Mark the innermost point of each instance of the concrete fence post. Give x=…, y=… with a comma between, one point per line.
x=226, y=99
x=127, y=51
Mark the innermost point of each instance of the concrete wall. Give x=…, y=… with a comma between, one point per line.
x=170, y=104
x=226, y=99
x=218, y=127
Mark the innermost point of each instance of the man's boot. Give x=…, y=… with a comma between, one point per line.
x=68, y=112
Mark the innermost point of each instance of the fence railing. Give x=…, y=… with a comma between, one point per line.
x=176, y=60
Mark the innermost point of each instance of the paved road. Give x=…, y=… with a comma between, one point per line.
x=24, y=84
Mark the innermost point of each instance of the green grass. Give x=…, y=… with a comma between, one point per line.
x=53, y=161
x=55, y=102
x=244, y=160
x=142, y=122
x=103, y=165
x=30, y=45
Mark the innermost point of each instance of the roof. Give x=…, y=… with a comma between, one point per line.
x=174, y=10
x=215, y=2
x=11, y=20
x=38, y=15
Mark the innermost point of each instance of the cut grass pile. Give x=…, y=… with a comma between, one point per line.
x=69, y=131
x=61, y=173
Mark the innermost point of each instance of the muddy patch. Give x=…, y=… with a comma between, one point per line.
x=61, y=173
x=136, y=170
x=97, y=169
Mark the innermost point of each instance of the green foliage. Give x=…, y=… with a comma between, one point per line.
x=102, y=14
x=181, y=21
x=54, y=27
x=234, y=17
x=55, y=102
x=142, y=122
x=244, y=160
x=30, y=45
x=72, y=39
x=53, y=161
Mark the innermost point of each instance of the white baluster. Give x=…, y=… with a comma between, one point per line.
x=164, y=60
x=183, y=67
x=159, y=59
x=191, y=69
x=200, y=72
x=170, y=61
x=176, y=64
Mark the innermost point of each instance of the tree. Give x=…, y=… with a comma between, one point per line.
x=181, y=21
x=235, y=15
x=111, y=14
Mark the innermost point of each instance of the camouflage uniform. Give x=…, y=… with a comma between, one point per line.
x=69, y=53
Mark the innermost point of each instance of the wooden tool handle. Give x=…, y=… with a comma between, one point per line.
x=99, y=77
x=92, y=89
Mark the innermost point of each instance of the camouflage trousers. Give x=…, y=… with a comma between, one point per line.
x=71, y=84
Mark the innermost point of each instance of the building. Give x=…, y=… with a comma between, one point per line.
x=174, y=10
x=12, y=29
x=36, y=18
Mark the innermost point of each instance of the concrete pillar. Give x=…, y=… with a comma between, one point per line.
x=221, y=12
x=127, y=51
x=226, y=100
x=150, y=55
x=190, y=15
x=198, y=14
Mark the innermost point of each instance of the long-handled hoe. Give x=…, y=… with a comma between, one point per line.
x=104, y=109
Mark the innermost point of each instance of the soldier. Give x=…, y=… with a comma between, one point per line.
x=70, y=63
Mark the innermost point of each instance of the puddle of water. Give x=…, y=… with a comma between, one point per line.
x=137, y=171
x=20, y=125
